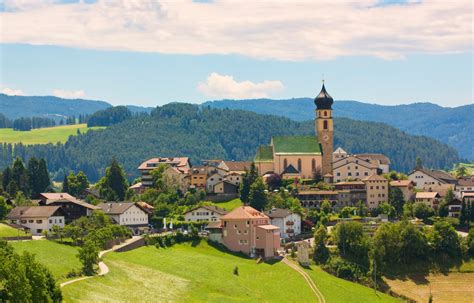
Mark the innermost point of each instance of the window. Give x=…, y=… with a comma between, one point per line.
x=248, y=223
x=39, y=231
x=50, y=221
x=338, y=174
x=235, y=226
x=285, y=163
x=299, y=165
x=357, y=173
x=30, y=221
x=349, y=174
x=325, y=124
x=366, y=173
x=313, y=165
x=246, y=232
x=239, y=232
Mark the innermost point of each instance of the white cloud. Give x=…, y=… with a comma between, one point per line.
x=66, y=94
x=12, y=92
x=223, y=86
x=284, y=30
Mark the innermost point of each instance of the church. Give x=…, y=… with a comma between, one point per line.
x=302, y=157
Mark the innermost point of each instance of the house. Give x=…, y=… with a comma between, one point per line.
x=454, y=208
x=288, y=221
x=239, y=167
x=353, y=168
x=468, y=197
x=350, y=193
x=138, y=188
x=431, y=180
x=313, y=198
x=200, y=174
x=381, y=161
x=234, y=178
x=338, y=154
x=431, y=199
x=464, y=185
x=150, y=210
x=37, y=219
x=377, y=190
x=213, y=180
x=406, y=187
x=73, y=208
x=181, y=163
x=248, y=230
x=127, y=214
x=208, y=213
x=178, y=178
x=226, y=188
x=215, y=231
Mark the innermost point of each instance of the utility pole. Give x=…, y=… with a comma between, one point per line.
x=375, y=276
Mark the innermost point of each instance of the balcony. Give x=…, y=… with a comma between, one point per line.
x=290, y=223
x=290, y=231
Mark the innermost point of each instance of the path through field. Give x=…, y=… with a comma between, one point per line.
x=308, y=279
x=103, y=268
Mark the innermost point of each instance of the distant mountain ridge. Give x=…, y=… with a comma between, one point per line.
x=453, y=126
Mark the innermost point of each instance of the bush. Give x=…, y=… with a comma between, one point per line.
x=236, y=271
x=344, y=269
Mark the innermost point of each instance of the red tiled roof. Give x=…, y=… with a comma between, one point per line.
x=401, y=183
x=427, y=195
x=374, y=178
x=244, y=212
x=154, y=162
x=238, y=165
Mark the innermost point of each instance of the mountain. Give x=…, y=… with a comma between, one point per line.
x=179, y=129
x=453, y=126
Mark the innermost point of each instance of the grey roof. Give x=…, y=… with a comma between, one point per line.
x=34, y=212
x=290, y=169
x=278, y=213
x=323, y=100
x=115, y=208
x=379, y=157
x=466, y=181
x=52, y=198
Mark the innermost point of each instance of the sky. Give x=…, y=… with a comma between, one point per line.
x=151, y=52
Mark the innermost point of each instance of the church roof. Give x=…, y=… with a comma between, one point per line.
x=296, y=145
x=323, y=100
x=264, y=154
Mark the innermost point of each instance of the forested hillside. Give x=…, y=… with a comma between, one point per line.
x=453, y=126
x=187, y=130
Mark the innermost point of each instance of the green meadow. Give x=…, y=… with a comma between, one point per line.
x=43, y=135
x=8, y=231
x=229, y=205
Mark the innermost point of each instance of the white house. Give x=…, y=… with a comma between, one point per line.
x=464, y=185
x=431, y=180
x=213, y=180
x=37, y=218
x=288, y=222
x=209, y=213
x=127, y=214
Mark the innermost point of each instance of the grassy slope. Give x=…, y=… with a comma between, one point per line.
x=338, y=290
x=42, y=135
x=190, y=274
x=59, y=258
x=7, y=231
x=229, y=205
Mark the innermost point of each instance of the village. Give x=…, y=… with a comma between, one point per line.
x=317, y=177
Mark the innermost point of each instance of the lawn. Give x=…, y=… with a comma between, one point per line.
x=203, y=273
x=42, y=135
x=229, y=205
x=59, y=258
x=338, y=290
x=8, y=231
x=189, y=274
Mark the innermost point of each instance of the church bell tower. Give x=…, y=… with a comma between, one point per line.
x=325, y=129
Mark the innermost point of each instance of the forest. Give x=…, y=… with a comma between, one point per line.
x=179, y=129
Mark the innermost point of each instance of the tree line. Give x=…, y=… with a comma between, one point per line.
x=29, y=123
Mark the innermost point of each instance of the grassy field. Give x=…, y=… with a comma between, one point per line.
x=338, y=290
x=203, y=273
x=451, y=288
x=59, y=258
x=7, y=231
x=42, y=135
x=229, y=205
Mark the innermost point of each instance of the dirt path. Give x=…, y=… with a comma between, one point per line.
x=308, y=279
x=103, y=268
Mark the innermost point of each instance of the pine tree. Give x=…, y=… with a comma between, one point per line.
x=114, y=181
x=65, y=185
x=321, y=252
x=419, y=163
x=464, y=215
x=247, y=181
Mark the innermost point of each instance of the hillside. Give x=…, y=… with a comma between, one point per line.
x=185, y=130
x=47, y=106
x=452, y=126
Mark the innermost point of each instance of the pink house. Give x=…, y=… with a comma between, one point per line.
x=247, y=230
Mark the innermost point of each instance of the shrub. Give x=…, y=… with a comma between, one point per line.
x=236, y=271
x=343, y=269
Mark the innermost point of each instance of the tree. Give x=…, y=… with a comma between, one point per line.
x=4, y=208
x=350, y=239
x=89, y=257
x=422, y=211
x=413, y=243
x=273, y=181
x=396, y=199
x=387, y=209
x=20, y=176
x=114, y=185
x=461, y=171
x=385, y=248
x=247, y=180
x=326, y=207
x=321, y=252
x=82, y=183
x=38, y=176
x=65, y=188
x=444, y=239
x=464, y=217
x=257, y=195
x=419, y=163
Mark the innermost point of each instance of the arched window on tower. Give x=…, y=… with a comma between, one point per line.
x=299, y=165
x=325, y=124
x=325, y=113
x=285, y=163
x=313, y=165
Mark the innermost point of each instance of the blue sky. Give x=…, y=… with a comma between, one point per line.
x=154, y=53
